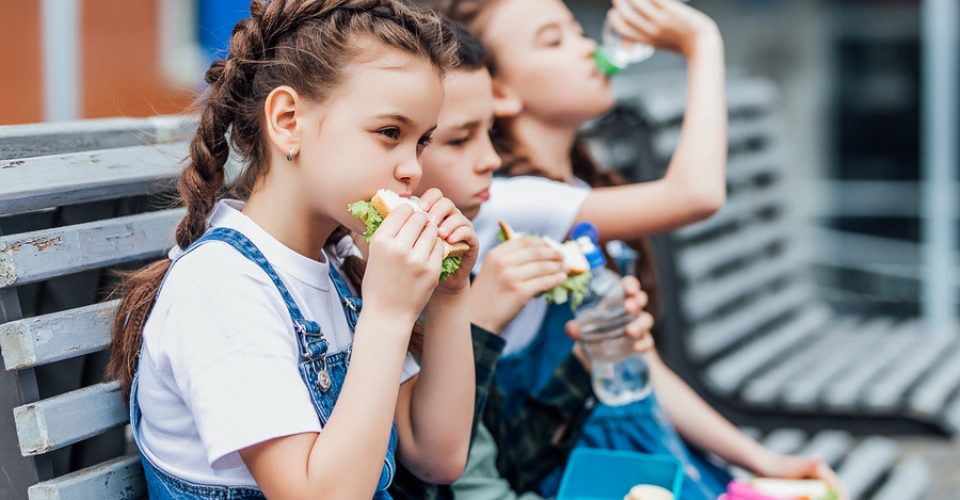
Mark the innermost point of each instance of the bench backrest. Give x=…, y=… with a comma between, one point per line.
x=51, y=176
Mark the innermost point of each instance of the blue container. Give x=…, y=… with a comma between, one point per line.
x=593, y=474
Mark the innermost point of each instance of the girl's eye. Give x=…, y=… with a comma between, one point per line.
x=390, y=132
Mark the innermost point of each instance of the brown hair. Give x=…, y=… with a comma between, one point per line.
x=301, y=43
x=469, y=13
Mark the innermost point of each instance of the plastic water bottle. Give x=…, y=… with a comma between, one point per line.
x=615, y=53
x=620, y=376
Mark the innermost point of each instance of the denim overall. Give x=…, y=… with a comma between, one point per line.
x=641, y=426
x=322, y=372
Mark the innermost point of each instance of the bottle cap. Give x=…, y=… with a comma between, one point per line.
x=587, y=236
x=606, y=65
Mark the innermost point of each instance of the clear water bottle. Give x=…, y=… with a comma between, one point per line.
x=620, y=376
x=615, y=53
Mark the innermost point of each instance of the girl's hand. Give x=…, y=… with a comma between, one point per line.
x=664, y=24
x=792, y=467
x=403, y=265
x=452, y=227
x=513, y=273
x=638, y=329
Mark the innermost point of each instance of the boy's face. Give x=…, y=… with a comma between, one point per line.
x=461, y=160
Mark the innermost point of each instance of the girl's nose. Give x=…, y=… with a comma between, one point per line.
x=409, y=172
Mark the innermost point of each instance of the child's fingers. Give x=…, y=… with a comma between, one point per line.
x=440, y=214
x=392, y=224
x=545, y=282
x=464, y=234
x=436, y=255
x=645, y=10
x=411, y=229
x=635, y=305
x=573, y=329
x=531, y=251
x=631, y=285
x=640, y=326
x=644, y=345
x=425, y=243
x=626, y=13
x=430, y=197
x=536, y=269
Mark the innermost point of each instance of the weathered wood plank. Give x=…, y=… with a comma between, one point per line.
x=52, y=181
x=120, y=479
x=39, y=255
x=867, y=464
x=910, y=480
x=931, y=395
x=52, y=337
x=62, y=420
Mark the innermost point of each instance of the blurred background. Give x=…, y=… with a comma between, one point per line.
x=845, y=110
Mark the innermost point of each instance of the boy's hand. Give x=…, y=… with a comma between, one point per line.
x=513, y=273
x=664, y=24
x=793, y=467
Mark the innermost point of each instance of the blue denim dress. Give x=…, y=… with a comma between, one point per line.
x=641, y=426
x=323, y=373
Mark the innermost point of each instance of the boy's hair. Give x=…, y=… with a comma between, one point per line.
x=305, y=44
x=471, y=53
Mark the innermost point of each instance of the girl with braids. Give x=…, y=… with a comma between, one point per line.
x=545, y=86
x=234, y=352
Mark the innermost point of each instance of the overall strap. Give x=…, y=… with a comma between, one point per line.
x=351, y=304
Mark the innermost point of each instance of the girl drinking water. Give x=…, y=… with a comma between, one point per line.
x=235, y=351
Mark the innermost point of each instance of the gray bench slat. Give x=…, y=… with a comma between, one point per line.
x=51, y=181
x=726, y=374
x=805, y=391
x=765, y=388
x=665, y=141
x=743, y=167
x=829, y=446
x=44, y=139
x=910, y=480
x=701, y=300
x=52, y=337
x=844, y=393
x=700, y=260
x=663, y=103
x=867, y=464
x=929, y=398
x=62, y=420
x=739, y=206
x=710, y=337
x=887, y=391
x=120, y=478
x=951, y=417
x=785, y=441
x=39, y=255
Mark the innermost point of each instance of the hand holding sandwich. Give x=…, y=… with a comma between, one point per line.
x=513, y=273
x=457, y=232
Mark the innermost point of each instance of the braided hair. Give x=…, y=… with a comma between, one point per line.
x=304, y=44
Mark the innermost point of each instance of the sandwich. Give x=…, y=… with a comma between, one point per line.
x=780, y=489
x=575, y=264
x=385, y=201
x=648, y=492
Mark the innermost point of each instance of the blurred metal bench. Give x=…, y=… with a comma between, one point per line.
x=743, y=321
x=46, y=169
x=748, y=316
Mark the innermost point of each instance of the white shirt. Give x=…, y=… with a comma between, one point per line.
x=533, y=205
x=219, y=367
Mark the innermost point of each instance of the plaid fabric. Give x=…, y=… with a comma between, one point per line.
x=535, y=440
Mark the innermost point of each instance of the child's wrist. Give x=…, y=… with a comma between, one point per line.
x=707, y=43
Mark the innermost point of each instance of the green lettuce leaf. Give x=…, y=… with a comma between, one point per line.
x=449, y=266
x=364, y=211
x=574, y=289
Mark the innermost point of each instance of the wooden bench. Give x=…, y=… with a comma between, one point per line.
x=72, y=203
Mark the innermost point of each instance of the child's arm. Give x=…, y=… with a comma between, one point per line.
x=694, y=186
x=700, y=424
x=345, y=459
x=435, y=409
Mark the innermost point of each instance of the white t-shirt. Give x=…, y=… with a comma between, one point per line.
x=219, y=368
x=533, y=205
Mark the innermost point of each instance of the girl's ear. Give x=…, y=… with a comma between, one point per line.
x=283, y=111
x=506, y=102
